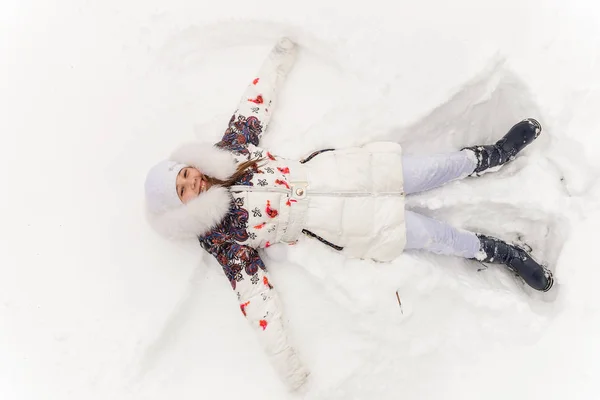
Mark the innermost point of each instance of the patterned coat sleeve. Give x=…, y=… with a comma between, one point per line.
x=260, y=305
x=252, y=116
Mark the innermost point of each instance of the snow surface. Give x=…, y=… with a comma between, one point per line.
x=94, y=305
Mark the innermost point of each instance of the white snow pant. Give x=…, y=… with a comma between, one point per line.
x=423, y=173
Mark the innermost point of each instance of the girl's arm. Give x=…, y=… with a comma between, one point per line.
x=260, y=304
x=252, y=116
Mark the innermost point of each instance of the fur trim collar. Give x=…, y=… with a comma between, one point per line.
x=202, y=214
x=195, y=218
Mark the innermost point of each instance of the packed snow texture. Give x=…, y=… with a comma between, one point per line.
x=95, y=305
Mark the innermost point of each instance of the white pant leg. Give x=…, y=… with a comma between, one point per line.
x=423, y=173
x=424, y=233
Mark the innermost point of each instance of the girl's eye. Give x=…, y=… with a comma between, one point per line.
x=182, y=189
x=185, y=173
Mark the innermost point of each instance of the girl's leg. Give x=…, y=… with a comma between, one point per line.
x=424, y=233
x=423, y=173
x=427, y=172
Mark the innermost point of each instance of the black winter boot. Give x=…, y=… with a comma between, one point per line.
x=516, y=259
x=505, y=149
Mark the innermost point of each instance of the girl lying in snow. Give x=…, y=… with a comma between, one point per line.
x=237, y=197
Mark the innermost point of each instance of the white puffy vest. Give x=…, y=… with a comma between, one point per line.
x=352, y=199
x=356, y=200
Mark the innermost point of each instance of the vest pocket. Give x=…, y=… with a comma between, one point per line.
x=313, y=155
x=320, y=239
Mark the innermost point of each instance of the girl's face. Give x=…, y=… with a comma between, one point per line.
x=190, y=183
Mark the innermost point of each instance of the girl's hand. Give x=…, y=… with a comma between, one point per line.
x=285, y=51
x=284, y=45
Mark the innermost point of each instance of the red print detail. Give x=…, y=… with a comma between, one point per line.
x=263, y=324
x=254, y=82
x=270, y=156
x=285, y=170
x=282, y=183
x=243, y=307
x=257, y=100
x=268, y=244
x=260, y=226
x=267, y=283
x=271, y=212
x=290, y=201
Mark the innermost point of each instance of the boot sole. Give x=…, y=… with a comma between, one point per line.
x=549, y=277
x=536, y=124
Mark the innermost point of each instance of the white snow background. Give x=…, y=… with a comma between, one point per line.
x=95, y=305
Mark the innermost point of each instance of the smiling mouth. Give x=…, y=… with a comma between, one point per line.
x=201, y=185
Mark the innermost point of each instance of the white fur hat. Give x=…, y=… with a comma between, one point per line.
x=166, y=213
x=161, y=193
